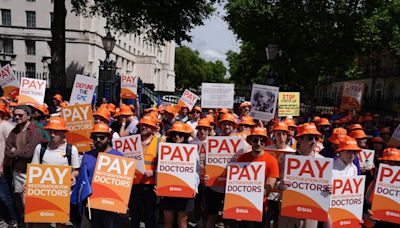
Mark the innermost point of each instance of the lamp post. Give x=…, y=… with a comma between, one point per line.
x=271, y=51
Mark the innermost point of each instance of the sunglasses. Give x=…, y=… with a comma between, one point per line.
x=197, y=112
x=19, y=115
x=258, y=140
x=311, y=138
x=180, y=134
x=96, y=137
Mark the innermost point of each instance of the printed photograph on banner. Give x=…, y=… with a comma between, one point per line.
x=47, y=197
x=8, y=82
x=129, y=84
x=131, y=147
x=222, y=150
x=308, y=177
x=289, y=104
x=366, y=159
x=112, y=183
x=79, y=120
x=217, y=95
x=176, y=170
x=32, y=91
x=394, y=141
x=386, y=201
x=188, y=98
x=347, y=201
x=351, y=96
x=263, y=102
x=83, y=90
x=244, y=191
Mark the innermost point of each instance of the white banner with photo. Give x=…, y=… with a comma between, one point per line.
x=263, y=102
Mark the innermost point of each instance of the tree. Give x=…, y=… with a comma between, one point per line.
x=191, y=70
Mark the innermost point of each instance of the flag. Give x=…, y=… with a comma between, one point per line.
x=82, y=189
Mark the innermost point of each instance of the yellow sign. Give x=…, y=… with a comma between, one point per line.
x=289, y=104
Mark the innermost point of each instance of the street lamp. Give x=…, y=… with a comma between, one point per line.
x=108, y=42
x=271, y=51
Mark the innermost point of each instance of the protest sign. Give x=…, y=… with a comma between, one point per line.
x=47, y=195
x=129, y=85
x=394, y=141
x=112, y=183
x=386, y=201
x=176, y=170
x=308, y=177
x=221, y=150
x=351, y=96
x=8, y=82
x=188, y=98
x=263, y=102
x=347, y=201
x=366, y=158
x=289, y=104
x=217, y=95
x=79, y=120
x=244, y=191
x=83, y=90
x=131, y=147
x=32, y=91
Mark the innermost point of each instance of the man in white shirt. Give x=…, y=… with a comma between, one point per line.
x=343, y=166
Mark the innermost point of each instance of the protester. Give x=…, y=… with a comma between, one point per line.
x=244, y=109
x=245, y=125
x=196, y=115
x=58, y=103
x=343, y=166
x=124, y=126
x=183, y=114
x=291, y=123
x=39, y=118
x=385, y=133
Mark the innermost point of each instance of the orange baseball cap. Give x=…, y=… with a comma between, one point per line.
x=324, y=122
x=102, y=112
x=125, y=110
x=385, y=130
x=204, y=123
x=280, y=126
x=58, y=97
x=247, y=120
x=358, y=134
x=257, y=131
x=227, y=117
x=354, y=127
x=56, y=123
x=337, y=135
x=290, y=122
x=101, y=128
x=148, y=120
x=377, y=139
x=244, y=104
x=307, y=129
x=390, y=154
x=348, y=143
x=180, y=127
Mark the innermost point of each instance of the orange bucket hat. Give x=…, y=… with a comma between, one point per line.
x=348, y=143
x=210, y=118
x=280, y=126
x=358, y=134
x=56, y=123
x=4, y=109
x=111, y=107
x=324, y=122
x=247, y=120
x=337, y=135
x=101, y=128
x=152, y=109
x=42, y=108
x=58, y=97
x=148, y=120
x=102, y=112
x=197, y=108
x=290, y=122
x=223, y=110
x=180, y=127
x=257, y=131
x=354, y=127
x=385, y=130
x=316, y=119
x=377, y=139
x=229, y=118
x=244, y=104
x=204, y=123
x=307, y=129
x=390, y=154
x=125, y=110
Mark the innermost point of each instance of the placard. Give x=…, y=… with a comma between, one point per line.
x=289, y=104
x=32, y=91
x=347, y=201
x=222, y=150
x=217, y=95
x=79, y=121
x=176, y=170
x=112, y=183
x=394, y=141
x=366, y=158
x=244, y=191
x=131, y=147
x=351, y=96
x=386, y=201
x=263, y=102
x=47, y=193
x=308, y=177
x=189, y=99
x=8, y=82
x=129, y=86
x=83, y=90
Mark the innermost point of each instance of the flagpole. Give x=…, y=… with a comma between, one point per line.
x=90, y=212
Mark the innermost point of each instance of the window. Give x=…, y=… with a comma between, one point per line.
x=30, y=0
x=30, y=70
x=51, y=17
x=130, y=47
x=31, y=19
x=6, y=17
x=30, y=47
x=8, y=46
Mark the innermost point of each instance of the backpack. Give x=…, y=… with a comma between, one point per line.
x=68, y=152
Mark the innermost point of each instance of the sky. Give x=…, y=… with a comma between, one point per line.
x=214, y=39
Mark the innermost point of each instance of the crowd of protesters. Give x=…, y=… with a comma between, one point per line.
x=33, y=133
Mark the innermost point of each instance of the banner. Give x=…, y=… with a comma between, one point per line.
x=263, y=102
x=308, y=177
x=366, y=158
x=289, y=104
x=176, y=170
x=83, y=90
x=386, y=201
x=8, y=82
x=32, y=91
x=131, y=147
x=394, y=141
x=112, y=183
x=347, y=201
x=351, y=96
x=79, y=120
x=221, y=150
x=188, y=98
x=129, y=86
x=217, y=95
x=47, y=195
x=244, y=191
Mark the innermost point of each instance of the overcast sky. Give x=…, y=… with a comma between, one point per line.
x=214, y=39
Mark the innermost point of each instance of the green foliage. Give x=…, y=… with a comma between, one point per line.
x=191, y=70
